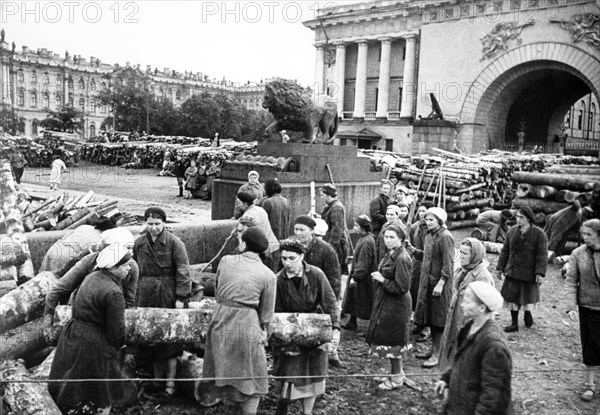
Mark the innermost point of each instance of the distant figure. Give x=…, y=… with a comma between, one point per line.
x=17, y=163
x=253, y=186
x=58, y=168
x=215, y=141
x=494, y=223
x=378, y=207
x=284, y=137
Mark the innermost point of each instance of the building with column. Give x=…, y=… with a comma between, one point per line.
x=494, y=68
x=34, y=82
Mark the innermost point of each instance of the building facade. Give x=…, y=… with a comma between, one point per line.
x=418, y=74
x=35, y=82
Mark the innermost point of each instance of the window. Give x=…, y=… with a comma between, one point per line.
x=103, y=85
x=34, y=127
x=92, y=85
x=70, y=83
x=21, y=97
x=33, y=99
x=591, y=117
x=404, y=53
x=46, y=100
x=59, y=101
x=33, y=78
x=178, y=94
x=58, y=80
x=82, y=104
x=20, y=76
x=92, y=130
x=46, y=80
x=81, y=84
x=580, y=116
x=376, y=98
x=71, y=99
x=103, y=109
x=399, y=99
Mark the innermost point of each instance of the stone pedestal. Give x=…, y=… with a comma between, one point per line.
x=356, y=184
x=428, y=134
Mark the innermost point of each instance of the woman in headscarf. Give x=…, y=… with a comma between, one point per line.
x=358, y=298
x=389, y=326
x=392, y=215
x=237, y=334
x=90, y=343
x=473, y=267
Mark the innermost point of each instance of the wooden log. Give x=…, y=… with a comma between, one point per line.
x=46, y=224
x=523, y=189
x=472, y=187
x=480, y=234
x=147, y=326
x=8, y=273
x=85, y=199
x=470, y=204
x=36, y=358
x=458, y=215
x=473, y=213
x=7, y=286
x=85, y=220
x=543, y=192
x=454, y=199
x=467, y=223
x=13, y=251
x=19, y=342
x=56, y=208
x=22, y=304
x=539, y=205
x=492, y=247
x=300, y=329
x=48, y=202
x=25, y=398
x=560, y=181
x=64, y=224
x=573, y=169
x=42, y=371
x=25, y=271
x=408, y=177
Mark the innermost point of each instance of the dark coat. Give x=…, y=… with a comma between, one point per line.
x=438, y=263
x=358, y=299
x=377, y=209
x=416, y=236
x=390, y=319
x=479, y=381
x=278, y=209
x=334, y=214
x=522, y=258
x=89, y=344
x=322, y=255
x=314, y=296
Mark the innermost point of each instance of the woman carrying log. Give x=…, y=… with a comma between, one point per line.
x=473, y=267
x=523, y=260
x=358, y=298
x=164, y=282
x=90, y=343
x=302, y=288
x=582, y=292
x=389, y=326
x=237, y=334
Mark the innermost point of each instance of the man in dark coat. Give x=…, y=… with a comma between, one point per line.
x=523, y=260
x=378, y=206
x=179, y=171
x=322, y=255
x=479, y=381
x=278, y=209
x=334, y=214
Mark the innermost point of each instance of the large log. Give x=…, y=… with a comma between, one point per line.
x=468, y=223
x=470, y=204
x=13, y=251
x=573, y=169
x=560, y=181
x=206, y=279
x=22, y=304
x=523, y=189
x=300, y=329
x=409, y=177
x=64, y=224
x=25, y=398
x=20, y=342
x=539, y=205
x=7, y=286
x=147, y=326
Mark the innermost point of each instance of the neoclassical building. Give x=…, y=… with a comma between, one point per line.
x=415, y=74
x=34, y=82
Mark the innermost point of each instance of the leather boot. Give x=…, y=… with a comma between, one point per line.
x=528, y=319
x=515, y=322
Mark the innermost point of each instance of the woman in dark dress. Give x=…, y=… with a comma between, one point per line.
x=358, y=298
x=90, y=343
x=389, y=327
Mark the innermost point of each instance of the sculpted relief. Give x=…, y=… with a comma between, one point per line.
x=583, y=27
x=499, y=39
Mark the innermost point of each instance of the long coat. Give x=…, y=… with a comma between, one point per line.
x=334, y=214
x=456, y=318
x=235, y=344
x=89, y=344
x=382, y=250
x=322, y=255
x=79, y=240
x=164, y=277
x=278, y=210
x=358, y=300
x=390, y=319
x=479, y=381
x=438, y=263
x=523, y=257
x=377, y=209
x=416, y=236
x=314, y=295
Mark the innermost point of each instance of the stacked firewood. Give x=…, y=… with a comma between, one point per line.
x=37, y=154
x=64, y=211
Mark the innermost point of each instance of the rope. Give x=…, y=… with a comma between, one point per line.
x=268, y=377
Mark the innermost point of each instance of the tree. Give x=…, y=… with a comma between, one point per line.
x=165, y=119
x=254, y=124
x=67, y=119
x=199, y=116
x=9, y=121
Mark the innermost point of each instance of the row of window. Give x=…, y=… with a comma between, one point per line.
x=59, y=80
x=33, y=101
x=578, y=112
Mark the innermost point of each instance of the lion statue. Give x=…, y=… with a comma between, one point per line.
x=294, y=109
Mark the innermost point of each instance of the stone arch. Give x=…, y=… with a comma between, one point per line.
x=491, y=95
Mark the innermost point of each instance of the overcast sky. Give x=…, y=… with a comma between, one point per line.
x=239, y=40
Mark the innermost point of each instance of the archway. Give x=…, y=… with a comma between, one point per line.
x=535, y=84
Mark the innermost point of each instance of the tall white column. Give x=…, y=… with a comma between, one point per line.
x=361, y=80
x=409, y=88
x=319, y=70
x=340, y=75
x=383, y=98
